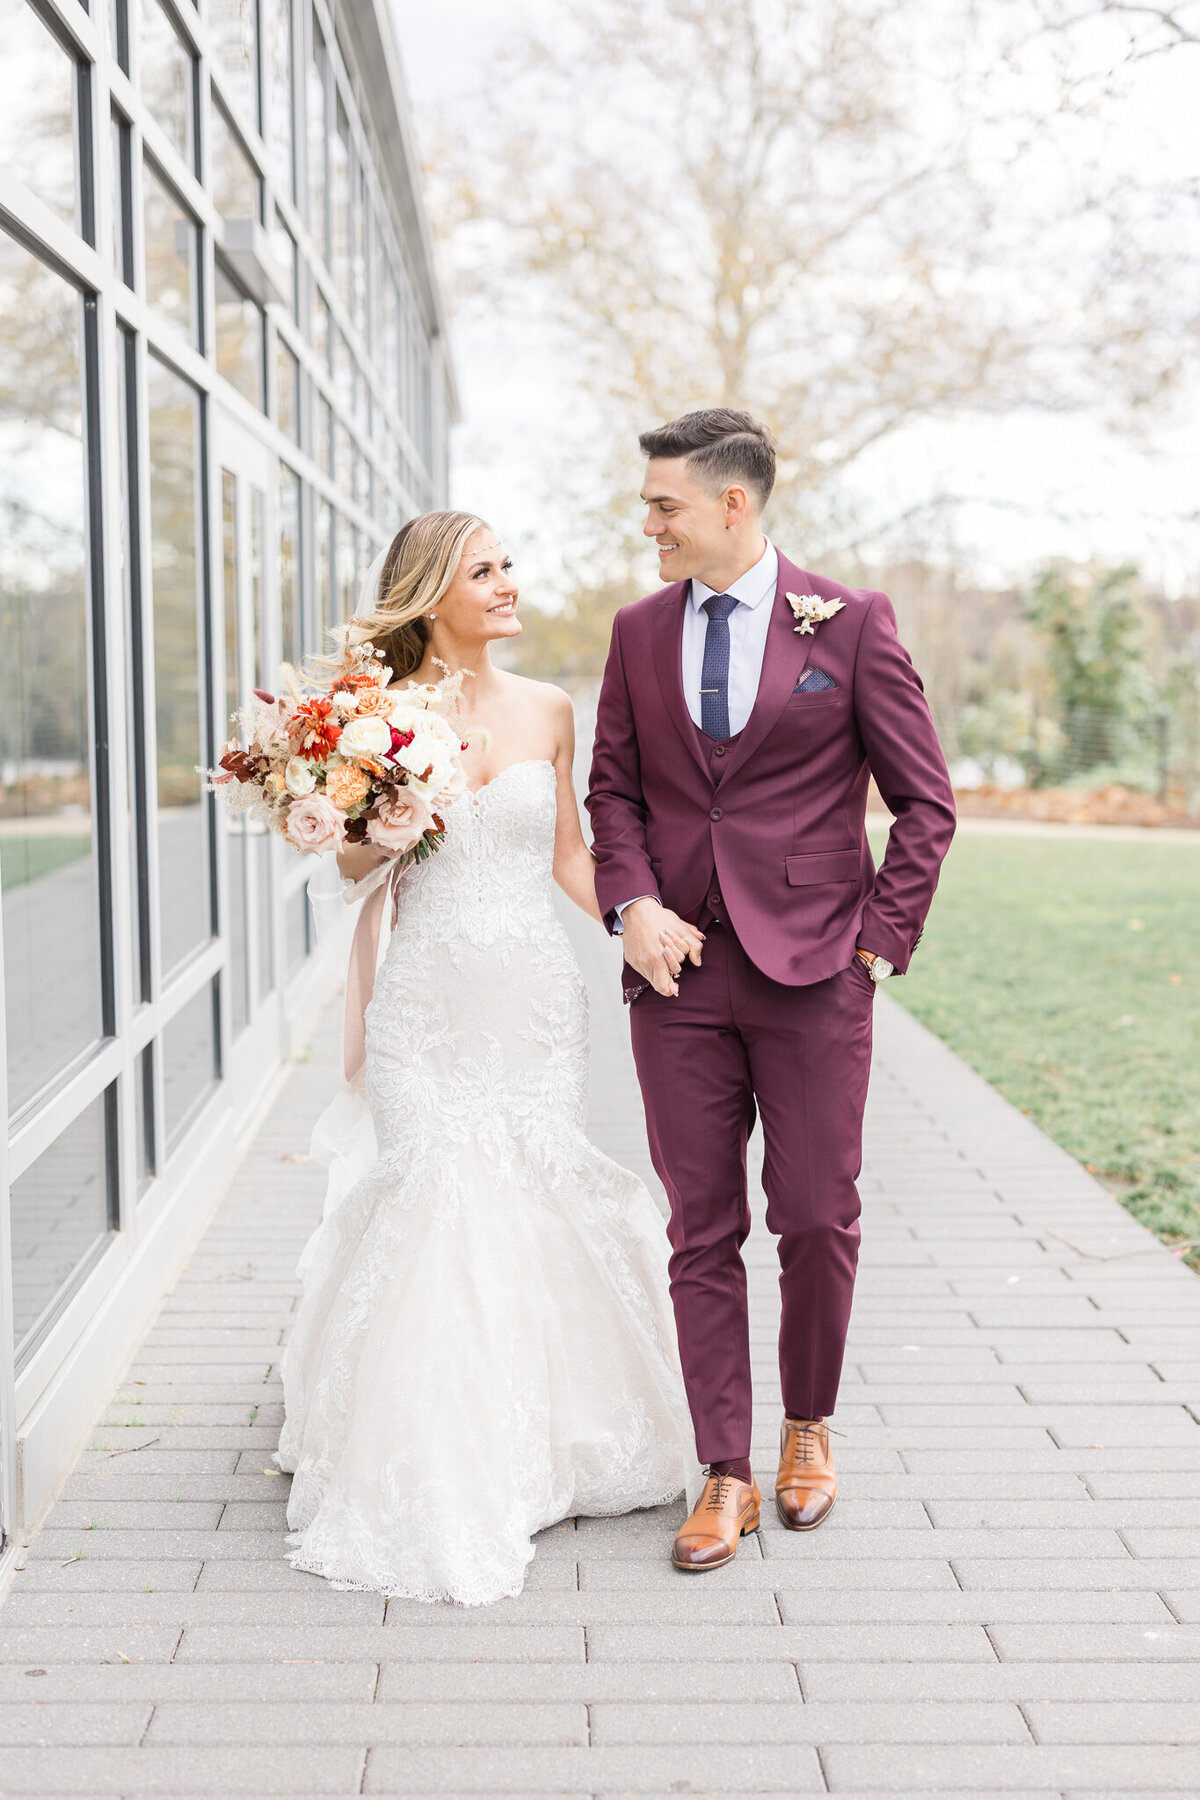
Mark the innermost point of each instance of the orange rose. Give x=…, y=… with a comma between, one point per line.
x=346, y=785
x=374, y=703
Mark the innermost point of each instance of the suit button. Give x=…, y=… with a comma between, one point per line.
x=714, y=900
x=716, y=813
x=720, y=749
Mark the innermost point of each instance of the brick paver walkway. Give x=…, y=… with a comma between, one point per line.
x=1006, y=1601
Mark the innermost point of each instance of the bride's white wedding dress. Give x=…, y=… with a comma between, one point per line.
x=485, y=1343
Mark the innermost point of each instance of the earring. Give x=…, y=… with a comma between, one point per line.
x=432, y=617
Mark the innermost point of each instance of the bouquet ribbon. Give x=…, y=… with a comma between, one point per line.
x=360, y=975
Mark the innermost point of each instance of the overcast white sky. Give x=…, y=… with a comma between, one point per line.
x=1043, y=486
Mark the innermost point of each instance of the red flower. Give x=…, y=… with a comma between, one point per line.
x=312, y=730
x=400, y=740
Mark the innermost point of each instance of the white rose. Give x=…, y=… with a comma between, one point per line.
x=407, y=717
x=455, y=784
x=365, y=737
x=299, y=777
x=441, y=728
x=427, y=762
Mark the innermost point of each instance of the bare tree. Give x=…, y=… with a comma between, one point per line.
x=830, y=211
x=1150, y=30
x=737, y=204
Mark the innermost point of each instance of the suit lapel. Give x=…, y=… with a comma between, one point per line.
x=666, y=653
x=784, y=661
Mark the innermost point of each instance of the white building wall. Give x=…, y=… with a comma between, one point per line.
x=223, y=386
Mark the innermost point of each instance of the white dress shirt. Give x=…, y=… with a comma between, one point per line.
x=748, y=622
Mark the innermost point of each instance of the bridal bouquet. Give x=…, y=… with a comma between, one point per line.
x=354, y=762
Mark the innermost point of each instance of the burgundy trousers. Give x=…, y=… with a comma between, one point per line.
x=730, y=1045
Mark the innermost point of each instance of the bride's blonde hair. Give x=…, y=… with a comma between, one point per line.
x=422, y=561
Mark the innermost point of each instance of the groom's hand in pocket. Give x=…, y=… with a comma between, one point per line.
x=657, y=943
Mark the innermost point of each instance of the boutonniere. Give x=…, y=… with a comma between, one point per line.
x=811, y=611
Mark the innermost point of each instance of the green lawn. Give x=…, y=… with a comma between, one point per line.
x=1065, y=971
x=23, y=858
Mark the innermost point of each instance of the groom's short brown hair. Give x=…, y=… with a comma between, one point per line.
x=720, y=445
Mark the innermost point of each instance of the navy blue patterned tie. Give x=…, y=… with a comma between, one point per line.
x=714, y=675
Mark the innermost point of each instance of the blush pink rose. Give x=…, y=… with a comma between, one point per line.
x=401, y=822
x=314, y=825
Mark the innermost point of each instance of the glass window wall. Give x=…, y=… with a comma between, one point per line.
x=185, y=914
x=143, y=1109
x=238, y=972
x=233, y=27
x=296, y=943
x=61, y=1211
x=277, y=89
x=171, y=254
x=285, y=556
x=122, y=171
x=37, y=119
x=347, y=568
x=339, y=188
x=240, y=334
x=287, y=390
x=167, y=78
x=236, y=188
x=189, y=1062
x=289, y=565
x=47, y=851
x=283, y=251
x=317, y=109
x=323, y=571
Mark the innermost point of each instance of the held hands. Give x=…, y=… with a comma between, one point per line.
x=657, y=943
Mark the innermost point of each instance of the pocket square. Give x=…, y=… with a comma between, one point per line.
x=814, y=681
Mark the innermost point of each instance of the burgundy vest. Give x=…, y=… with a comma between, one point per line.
x=716, y=750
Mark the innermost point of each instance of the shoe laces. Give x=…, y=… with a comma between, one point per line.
x=719, y=1491
x=805, y=1441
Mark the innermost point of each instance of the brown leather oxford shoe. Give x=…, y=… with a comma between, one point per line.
x=806, y=1485
x=724, y=1513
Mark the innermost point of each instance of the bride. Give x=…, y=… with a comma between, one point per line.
x=485, y=1343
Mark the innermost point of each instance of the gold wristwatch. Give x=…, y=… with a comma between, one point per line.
x=878, y=967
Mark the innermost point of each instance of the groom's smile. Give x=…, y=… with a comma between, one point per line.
x=702, y=527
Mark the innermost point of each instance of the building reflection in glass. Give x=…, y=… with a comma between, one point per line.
x=287, y=390
x=61, y=1210
x=51, y=939
x=233, y=30
x=170, y=254
x=277, y=90
x=289, y=563
x=239, y=333
x=165, y=74
x=185, y=913
x=37, y=119
x=189, y=1062
x=236, y=188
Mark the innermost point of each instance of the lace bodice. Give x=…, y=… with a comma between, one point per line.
x=493, y=877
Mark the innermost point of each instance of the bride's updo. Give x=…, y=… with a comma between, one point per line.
x=422, y=560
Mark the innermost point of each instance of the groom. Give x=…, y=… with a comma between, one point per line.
x=744, y=708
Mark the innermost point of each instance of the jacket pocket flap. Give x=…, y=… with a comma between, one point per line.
x=823, y=865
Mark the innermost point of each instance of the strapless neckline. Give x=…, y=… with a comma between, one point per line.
x=529, y=762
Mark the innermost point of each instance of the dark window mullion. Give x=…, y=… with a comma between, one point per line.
x=102, y=771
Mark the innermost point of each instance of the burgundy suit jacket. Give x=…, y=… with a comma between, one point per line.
x=782, y=826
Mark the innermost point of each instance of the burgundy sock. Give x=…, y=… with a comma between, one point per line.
x=739, y=1468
